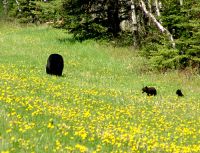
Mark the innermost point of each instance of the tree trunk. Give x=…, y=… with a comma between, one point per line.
x=19, y=9
x=157, y=8
x=158, y=24
x=135, y=26
x=5, y=6
x=181, y=2
x=113, y=17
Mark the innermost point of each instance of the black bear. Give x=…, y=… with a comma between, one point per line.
x=179, y=93
x=149, y=90
x=55, y=65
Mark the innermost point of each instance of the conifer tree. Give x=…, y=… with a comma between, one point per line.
x=26, y=13
x=182, y=19
x=189, y=41
x=93, y=18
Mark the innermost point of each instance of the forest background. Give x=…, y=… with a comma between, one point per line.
x=166, y=32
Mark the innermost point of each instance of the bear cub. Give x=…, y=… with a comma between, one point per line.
x=55, y=65
x=179, y=93
x=149, y=90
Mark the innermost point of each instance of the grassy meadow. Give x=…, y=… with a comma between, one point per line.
x=97, y=106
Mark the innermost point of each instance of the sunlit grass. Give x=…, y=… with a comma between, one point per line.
x=97, y=106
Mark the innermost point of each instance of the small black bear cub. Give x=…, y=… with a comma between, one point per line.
x=55, y=65
x=179, y=93
x=149, y=90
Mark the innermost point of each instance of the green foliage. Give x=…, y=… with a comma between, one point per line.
x=183, y=23
x=1, y=9
x=80, y=21
x=87, y=31
x=48, y=11
x=26, y=14
x=124, y=39
x=93, y=19
x=165, y=58
x=100, y=19
x=36, y=11
x=188, y=42
x=160, y=54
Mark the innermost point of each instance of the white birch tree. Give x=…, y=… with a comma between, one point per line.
x=5, y=7
x=157, y=23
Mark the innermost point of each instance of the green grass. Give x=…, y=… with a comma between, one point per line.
x=97, y=105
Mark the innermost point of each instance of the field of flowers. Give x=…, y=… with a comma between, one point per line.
x=97, y=106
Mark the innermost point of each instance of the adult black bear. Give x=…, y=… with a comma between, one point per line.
x=179, y=93
x=55, y=65
x=149, y=90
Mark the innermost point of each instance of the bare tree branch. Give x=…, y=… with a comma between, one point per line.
x=158, y=24
x=18, y=5
x=181, y=2
x=5, y=5
x=134, y=23
x=157, y=8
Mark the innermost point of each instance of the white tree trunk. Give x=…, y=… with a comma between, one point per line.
x=149, y=5
x=134, y=23
x=157, y=8
x=5, y=6
x=158, y=24
x=19, y=9
x=181, y=2
x=133, y=16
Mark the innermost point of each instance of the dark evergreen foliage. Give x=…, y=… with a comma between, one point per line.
x=35, y=11
x=26, y=14
x=93, y=19
x=183, y=22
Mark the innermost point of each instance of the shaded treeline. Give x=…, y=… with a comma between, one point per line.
x=166, y=31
